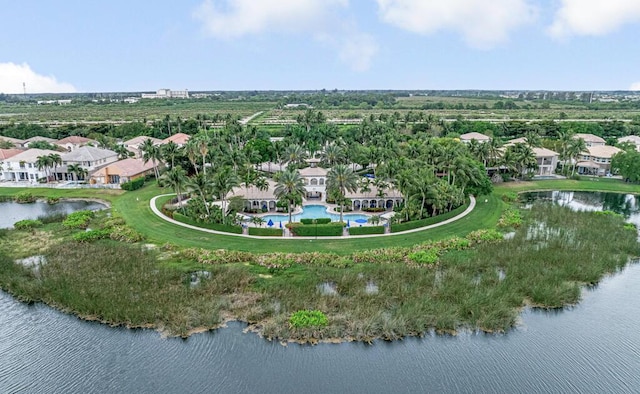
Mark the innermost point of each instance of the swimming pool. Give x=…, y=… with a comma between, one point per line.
x=313, y=212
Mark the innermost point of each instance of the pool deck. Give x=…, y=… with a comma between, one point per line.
x=156, y=211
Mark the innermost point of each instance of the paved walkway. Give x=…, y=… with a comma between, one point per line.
x=155, y=210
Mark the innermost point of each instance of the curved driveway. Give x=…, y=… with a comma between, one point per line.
x=155, y=210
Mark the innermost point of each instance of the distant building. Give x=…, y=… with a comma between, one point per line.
x=590, y=139
x=74, y=142
x=630, y=139
x=134, y=144
x=179, y=139
x=166, y=93
x=466, y=138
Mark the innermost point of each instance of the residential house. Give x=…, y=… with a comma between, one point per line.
x=466, y=138
x=87, y=157
x=28, y=141
x=134, y=144
x=630, y=139
x=315, y=180
x=122, y=171
x=23, y=167
x=597, y=160
x=16, y=142
x=179, y=139
x=255, y=199
x=4, y=155
x=547, y=161
x=74, y=142
x=590, y=139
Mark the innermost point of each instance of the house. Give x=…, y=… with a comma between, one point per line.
x=134, y=144
x=22, y=167
x=5, y=154
x=590, y=139
x=547, y=161
x=122, y=171
x=179, y=139
x=374, y=198
x=466, y=138
x=16, y=142
x=315, y=180
x=597, y=160
x=28, y=141
x=166, y=93
x=74, y=142
x=255, y=199
x=630, y=139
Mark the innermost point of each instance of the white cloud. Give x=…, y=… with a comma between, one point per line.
x=482, y=23
x=236, y=18
x=635, y=86
x=358, y=50
x=593, y=17
x=12, y=76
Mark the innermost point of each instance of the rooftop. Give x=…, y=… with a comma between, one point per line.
x=604, y=151
x=74, y=139
x=88, y=153
x=127, y=167
x=31, y=155
x=589, y=138
x=7, y=153
x=474, y=136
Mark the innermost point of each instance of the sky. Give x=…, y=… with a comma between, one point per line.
x=200, y=45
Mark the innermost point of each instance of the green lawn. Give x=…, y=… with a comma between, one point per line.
x=134, y=207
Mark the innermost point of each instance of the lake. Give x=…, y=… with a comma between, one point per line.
x=13, y=212
x=593, y=347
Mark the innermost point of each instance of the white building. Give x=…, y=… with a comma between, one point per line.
x=466, y=138
x=89, y=158
x=590, y=139
x=23, y=168
x=630, y=139
x=597, y=160
x=315, y=180
x=167, y=93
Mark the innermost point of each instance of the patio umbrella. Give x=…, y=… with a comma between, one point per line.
x=270, y=223
x=361, y=220
x=348, y=224
x=280, y=224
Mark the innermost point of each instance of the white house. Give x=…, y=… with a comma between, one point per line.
x=28, y=141
x=134, y=144
x=466, y=138
x=590, y=139
x=22, y=167
x=547, y=161
x=597, y=160
x=89, y=158
x=630, y=139
x=74, y=142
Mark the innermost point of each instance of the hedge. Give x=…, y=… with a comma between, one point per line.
x=133, y=185
x=366, y=230
x=265, y=232
x=398, y=227
x=211, y=226
x=318, y=220
x=321, y=230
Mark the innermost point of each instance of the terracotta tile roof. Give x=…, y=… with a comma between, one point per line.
x=589, y=138
x=127, y=167
x=180, y=139
x=74, y=139
x=7, y=153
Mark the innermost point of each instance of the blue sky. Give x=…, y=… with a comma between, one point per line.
x=99, y=46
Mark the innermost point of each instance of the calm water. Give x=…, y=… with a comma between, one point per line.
x=11, y=212
x=314, y=212
x=593, y=347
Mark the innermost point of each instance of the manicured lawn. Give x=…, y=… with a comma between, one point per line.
x=134, y=207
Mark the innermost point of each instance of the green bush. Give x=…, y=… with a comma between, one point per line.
x=79, y=219
x=396, y=228
x=92, y=235
x=124, y=234
x=53, y=200
x=366, y=230
x=485, y=236
x=27, y=224
x=333, y=229
x=306, y=318
x=318, y=221
x=211, y=226
x=24, y=198
x=509, y=197
x=265, y=232
x=133, y=185
x=510, y=219
x=425, y=257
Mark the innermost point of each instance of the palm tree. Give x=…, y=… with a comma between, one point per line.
x=290, y=187
x=150, y=151
x=191, y=151
x=295, y=154
x=55, y=160
x=343, y=179
x=203, y=149
x=123, y=153
x=224, y=180
x=74, y=169
x=176, y=178
x=576, y=147
x=258, y=220
x=169, y=151
x=201, y=185
x=43, y=163
x=333, y=154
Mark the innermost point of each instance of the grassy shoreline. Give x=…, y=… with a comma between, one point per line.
x=366, y=294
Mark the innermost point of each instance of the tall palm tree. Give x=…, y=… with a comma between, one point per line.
x=169, y=152
x=202, y=185
x=191, y=151
x=333, y=154
x=43, y=163
x=224, y=180
x=176, y=178
x=150, y=151
x=290, y=187
x=74, y=169
x=343, y=179
x=55, y=160
x=295, y=154
x=576, y=147
x=122, y=151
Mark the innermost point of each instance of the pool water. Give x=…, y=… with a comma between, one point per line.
x=314, y=212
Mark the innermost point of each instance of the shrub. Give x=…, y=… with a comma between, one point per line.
x=425, y=257
x=27, y=224
x=79, y=219
x=53, y=200
x=333, y=229
x=510, y=219
x=93, y=235
x=366, y=230
x=485, y=236
x=377, y=209
x=265, y=232
x=306, y=318
x=396, y=228
x=509, y=197
x=212, y=226
x=124, y=234
x=24, y=198
x=133, y=185
x=318, y=221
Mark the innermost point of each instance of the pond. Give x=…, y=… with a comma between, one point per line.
x=593, y=347
x=13, y=212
